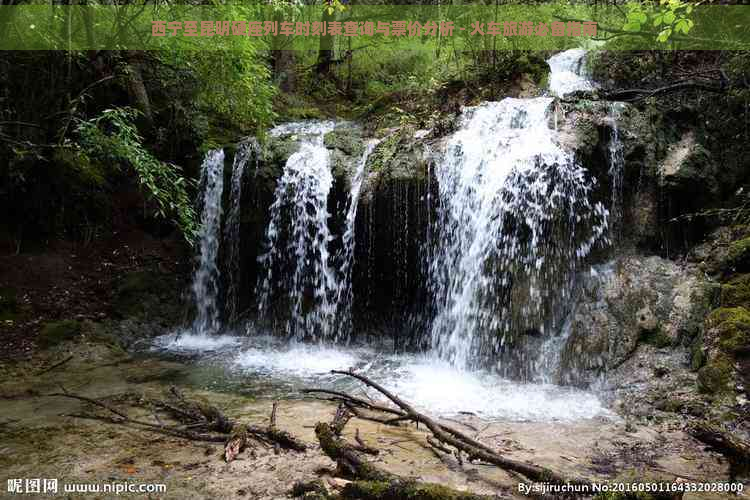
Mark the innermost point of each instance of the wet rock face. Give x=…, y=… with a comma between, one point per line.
x=633, y=302
x=588, y=129
x=392, y=223
x=345, y=145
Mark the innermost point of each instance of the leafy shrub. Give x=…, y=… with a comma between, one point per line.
x=113, y=137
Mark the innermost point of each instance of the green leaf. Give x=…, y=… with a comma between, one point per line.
x=669, y=18
x=632, y=26
x=664, y=35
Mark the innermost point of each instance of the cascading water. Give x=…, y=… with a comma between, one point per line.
x=514, y=220
x=246, y=151
x=206, y=279
x=344, y=293
x=616, y=167
x=568, y=72
x=301, y=269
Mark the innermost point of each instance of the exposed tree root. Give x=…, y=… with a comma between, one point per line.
x=197, y=421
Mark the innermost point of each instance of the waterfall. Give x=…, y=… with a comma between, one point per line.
x=245, y=152
x=344, y=293
x=514, y=220
x=207, y=276
x=568, y=72
x=296, y=262
x=616, y=167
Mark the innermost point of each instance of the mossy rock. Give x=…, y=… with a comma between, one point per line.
x=347, y=139
x=736, y=292
x=137, y=293
x=732, y=325
x=656, y=338
x=101, y=333
x=278, y=149
x=738, y=256
x=717, y=376
x=398, y=157
x=697, y=354
x=56, y=332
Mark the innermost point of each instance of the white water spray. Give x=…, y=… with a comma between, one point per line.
x=300, y=271
x=344, y=292
x=207, y=276
x=246, y=152
x=568, y=72
x=514, y=220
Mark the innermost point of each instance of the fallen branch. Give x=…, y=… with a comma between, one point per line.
x=463, y=443
x=200, y=421
x=631, y=95
x=371, y=482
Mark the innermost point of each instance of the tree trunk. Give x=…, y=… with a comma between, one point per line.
x=325, y=51
x=136, y=87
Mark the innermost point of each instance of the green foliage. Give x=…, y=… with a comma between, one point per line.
x=235, y=84
x=113, y=137
x=231, y=73
x=668, y=16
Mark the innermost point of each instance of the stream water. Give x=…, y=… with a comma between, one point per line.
x=513, y=222
x=268, y=367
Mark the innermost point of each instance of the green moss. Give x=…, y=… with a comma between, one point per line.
x=656, y=338
x=697, y=356
x=738, y=255
x=716, y=376
x=733, y=327
x=347, y=140
x=56, y=332
x=533, y=65
x=736, y=292
x=398, y=157
x=101, y=333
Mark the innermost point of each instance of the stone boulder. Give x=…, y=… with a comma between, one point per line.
x=632, y=302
